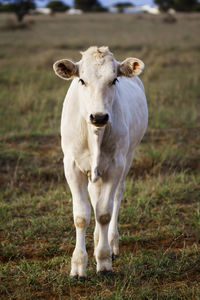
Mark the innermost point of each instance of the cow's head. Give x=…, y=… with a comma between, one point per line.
x=98, y=74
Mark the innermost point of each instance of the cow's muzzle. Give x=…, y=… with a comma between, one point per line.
x=99, y=119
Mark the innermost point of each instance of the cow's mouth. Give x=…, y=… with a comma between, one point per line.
x=98, y=124
x=99, y=120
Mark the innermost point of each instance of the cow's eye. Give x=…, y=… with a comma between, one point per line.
x=82, y=81
x=114, y=81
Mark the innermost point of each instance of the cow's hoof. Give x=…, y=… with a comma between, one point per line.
x=115, y=256
x=76, y=278
x=82, y=278
x=73, y=277
x=107, y=273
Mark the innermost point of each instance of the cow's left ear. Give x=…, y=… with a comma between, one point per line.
x=66, y=69
x=130, y=67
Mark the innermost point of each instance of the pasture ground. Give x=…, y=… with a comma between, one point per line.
x=159, y=221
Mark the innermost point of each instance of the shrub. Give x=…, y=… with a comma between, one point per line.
x=57, y=6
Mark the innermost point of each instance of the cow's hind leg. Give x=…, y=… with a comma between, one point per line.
x=81, y=210
x=94, y=190
x=113, y=234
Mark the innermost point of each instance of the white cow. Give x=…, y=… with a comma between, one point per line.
x=104, y=118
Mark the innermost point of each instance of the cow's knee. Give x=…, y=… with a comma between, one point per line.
x=81, y=222
x=104, y=219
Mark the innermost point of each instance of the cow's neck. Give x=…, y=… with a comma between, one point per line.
x=95, y=138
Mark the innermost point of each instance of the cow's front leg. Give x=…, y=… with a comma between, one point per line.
x=103, y=250
x=103, y=213
x=81, y=211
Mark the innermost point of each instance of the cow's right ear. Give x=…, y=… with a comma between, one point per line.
x=66, y=69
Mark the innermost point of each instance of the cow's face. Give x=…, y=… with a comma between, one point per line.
x=98, y=74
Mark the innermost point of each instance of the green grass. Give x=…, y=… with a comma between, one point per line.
x=159, y=220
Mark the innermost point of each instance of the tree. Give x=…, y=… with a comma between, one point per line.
x=87, y=5
x=57, y=6
x=124, y=4
x=121, y=6
x=19, y=7
x=179, y=5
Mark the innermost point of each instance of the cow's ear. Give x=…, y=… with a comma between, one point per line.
x=130, y=67
x=66, y=69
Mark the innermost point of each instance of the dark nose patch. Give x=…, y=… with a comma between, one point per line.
x=99, y=119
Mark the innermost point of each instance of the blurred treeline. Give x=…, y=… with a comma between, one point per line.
x=179, y=5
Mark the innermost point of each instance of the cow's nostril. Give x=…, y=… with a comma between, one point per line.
x=106, y=117
x=99, y=119
x=92, y=117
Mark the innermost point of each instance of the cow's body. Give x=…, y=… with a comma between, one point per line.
x=97, y=158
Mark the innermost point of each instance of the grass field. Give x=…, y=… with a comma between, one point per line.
x=159, y=221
